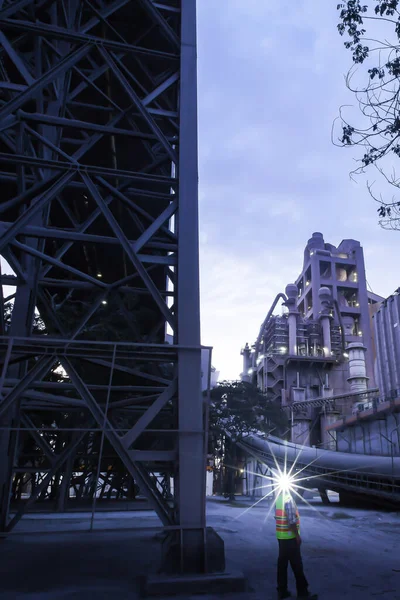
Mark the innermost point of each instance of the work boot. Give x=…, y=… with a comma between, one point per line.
x=283, y=595
x=308, y=596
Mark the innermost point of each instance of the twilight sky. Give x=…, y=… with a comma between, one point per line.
x=271, y=81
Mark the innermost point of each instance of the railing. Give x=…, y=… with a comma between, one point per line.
x=362, y=397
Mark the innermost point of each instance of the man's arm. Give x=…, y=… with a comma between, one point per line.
x=291, y=517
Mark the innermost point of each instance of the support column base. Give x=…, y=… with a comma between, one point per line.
x=193, y=563
x=173, y=585
x=193, y=551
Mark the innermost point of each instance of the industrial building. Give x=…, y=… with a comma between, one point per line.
x=317, y=357
x=374, y=429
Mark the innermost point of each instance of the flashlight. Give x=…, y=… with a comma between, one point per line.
x=285, y=483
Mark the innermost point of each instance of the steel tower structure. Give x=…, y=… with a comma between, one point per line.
x=99, y=223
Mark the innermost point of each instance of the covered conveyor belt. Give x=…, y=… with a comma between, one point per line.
x=376, y=478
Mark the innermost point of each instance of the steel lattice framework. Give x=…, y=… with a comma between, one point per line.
x=99, y=219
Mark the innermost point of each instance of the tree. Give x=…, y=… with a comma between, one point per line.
x=237, y=409
x=379, y=96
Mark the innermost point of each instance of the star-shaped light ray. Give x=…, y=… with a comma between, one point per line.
x=286, y=480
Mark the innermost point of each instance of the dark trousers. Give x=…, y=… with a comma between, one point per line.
x=289, y=551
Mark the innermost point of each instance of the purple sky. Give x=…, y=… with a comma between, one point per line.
x=271, y=81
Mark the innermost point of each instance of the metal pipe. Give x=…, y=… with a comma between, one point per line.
x=271, y=310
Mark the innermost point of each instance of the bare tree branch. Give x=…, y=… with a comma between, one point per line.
x=378, y=98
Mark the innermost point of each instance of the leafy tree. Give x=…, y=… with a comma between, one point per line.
x=237, y=409
x=378, y=97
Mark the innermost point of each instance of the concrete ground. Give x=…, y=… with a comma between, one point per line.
x=347, y=553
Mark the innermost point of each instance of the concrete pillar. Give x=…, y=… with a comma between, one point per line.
x=292, y=334
x=246, y=363
x=301, y=431
x=326, y=335
x=328, y=417
x=291, y=303
x=348, y=325
x=357, y=379
x=325, y=298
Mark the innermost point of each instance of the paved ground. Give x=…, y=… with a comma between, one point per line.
x=348, y=554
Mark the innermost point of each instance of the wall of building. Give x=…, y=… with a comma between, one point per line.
x=371, y=437
x=387, y=344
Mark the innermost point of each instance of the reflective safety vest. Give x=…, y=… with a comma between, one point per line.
x=283, y=531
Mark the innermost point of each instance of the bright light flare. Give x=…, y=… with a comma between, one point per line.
x=285, y=482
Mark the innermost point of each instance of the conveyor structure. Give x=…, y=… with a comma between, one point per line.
x=354, y=476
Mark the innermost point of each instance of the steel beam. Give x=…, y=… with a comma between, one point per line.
x=98, y=146
x=68, y=35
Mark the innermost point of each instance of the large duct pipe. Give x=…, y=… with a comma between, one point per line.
x=291, y=303
x=271, y=310
x=339, y=316
x=325, y=297
x=357, y=379
x=246, y=363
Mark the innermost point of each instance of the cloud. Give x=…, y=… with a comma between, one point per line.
x=270, y=86
x=236, y=293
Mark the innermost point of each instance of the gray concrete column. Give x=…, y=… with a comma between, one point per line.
x=301, y=431
x=292, y=334
x=325, y=298
x=246, y=363
x=357, y=379
x=291, y=303
x=326, y=335
x=328, y=417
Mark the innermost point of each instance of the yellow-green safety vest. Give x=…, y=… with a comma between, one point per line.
x=283, y=531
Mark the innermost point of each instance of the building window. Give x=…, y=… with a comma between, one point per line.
x=325, y=269
x=307, y=278
x=346, y=273
x=348, y=297
x=308, y=302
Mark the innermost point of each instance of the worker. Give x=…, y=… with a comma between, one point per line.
x=288, y=533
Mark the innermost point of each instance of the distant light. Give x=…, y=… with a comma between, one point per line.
x=357, y=304
x=311, y=253
x=242, y=470
x=360, y=333
x=345, y=354
x=326, y=350
x=282, y=349
x=99, y=275
x=260, y=359
x=307, y=283
x=250, y=371
x=104, y=301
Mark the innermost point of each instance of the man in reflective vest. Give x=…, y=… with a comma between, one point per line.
x=288, y=533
